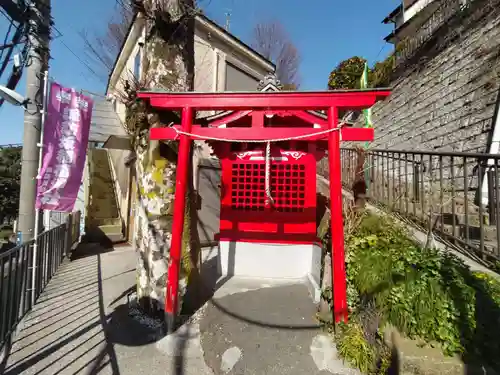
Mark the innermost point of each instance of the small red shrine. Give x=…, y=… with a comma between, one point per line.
x=268, y=144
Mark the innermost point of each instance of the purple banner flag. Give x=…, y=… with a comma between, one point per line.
x=65, y=139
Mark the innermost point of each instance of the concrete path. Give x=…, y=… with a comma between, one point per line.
x=266, y=331
x=83, y=324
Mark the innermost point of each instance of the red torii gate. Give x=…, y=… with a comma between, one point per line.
x=296, y=103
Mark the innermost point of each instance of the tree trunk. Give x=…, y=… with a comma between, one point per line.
x=168, y=61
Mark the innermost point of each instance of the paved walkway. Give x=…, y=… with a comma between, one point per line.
x=83, y=324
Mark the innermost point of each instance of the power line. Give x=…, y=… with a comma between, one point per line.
x=6, y=15
x=5, y=45
x=77, y=57
x=5, y=39
x=381, y=49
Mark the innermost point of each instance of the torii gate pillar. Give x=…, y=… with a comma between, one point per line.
x=339, y=287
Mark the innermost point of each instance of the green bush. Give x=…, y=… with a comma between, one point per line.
x=424, y=293
x=353, y=346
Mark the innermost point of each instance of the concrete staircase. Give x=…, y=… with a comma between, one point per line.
x=103, y=210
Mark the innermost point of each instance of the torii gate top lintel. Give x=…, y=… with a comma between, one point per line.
x=298, y=100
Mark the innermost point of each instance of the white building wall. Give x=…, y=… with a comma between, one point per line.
x=204, y=65
x=414, y=9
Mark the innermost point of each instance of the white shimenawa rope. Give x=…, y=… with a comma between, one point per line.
x=267, y=185
x=295, y=138
x=268, y=142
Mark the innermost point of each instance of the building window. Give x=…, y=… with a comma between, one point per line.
x=238, y=80
x=137, y=65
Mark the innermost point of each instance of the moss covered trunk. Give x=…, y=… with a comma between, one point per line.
x=168, y=64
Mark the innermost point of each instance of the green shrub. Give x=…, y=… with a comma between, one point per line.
x=353, y=346
x=424, y=293
x=369, y=355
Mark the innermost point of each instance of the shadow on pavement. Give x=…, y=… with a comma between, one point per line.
x=80, y=336
x=89, y=249
x=108, y=349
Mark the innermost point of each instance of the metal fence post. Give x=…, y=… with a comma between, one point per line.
x=77, y=228
x=69, y=236
x=492, y=214
x=416, y=183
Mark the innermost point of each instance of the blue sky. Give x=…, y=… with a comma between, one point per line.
x=325, y=32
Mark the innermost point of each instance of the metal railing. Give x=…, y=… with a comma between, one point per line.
x=454, y=195
x=18, y=290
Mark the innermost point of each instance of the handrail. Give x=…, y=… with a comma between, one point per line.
x=457, y=197
x=478, y=155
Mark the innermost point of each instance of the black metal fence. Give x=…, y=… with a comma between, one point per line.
x=18, y=289
x=453, y=194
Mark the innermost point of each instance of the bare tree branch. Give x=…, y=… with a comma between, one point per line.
x=101, y=47
x=272, y=41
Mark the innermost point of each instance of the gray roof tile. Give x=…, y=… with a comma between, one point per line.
x=105, y=122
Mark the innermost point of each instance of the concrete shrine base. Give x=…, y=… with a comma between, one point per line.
x=301, y=262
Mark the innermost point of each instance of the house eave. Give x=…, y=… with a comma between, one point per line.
x=135, y=30
x=390, y=38
x=394, y=13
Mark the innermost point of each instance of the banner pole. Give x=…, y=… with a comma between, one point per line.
x=37, y=210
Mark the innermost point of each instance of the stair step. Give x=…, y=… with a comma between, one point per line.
x=110, y=228
x=96, y=236
x=105, y=221
x=104, y=211
x=116, y=237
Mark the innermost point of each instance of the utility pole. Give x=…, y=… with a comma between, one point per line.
x=38, y=58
